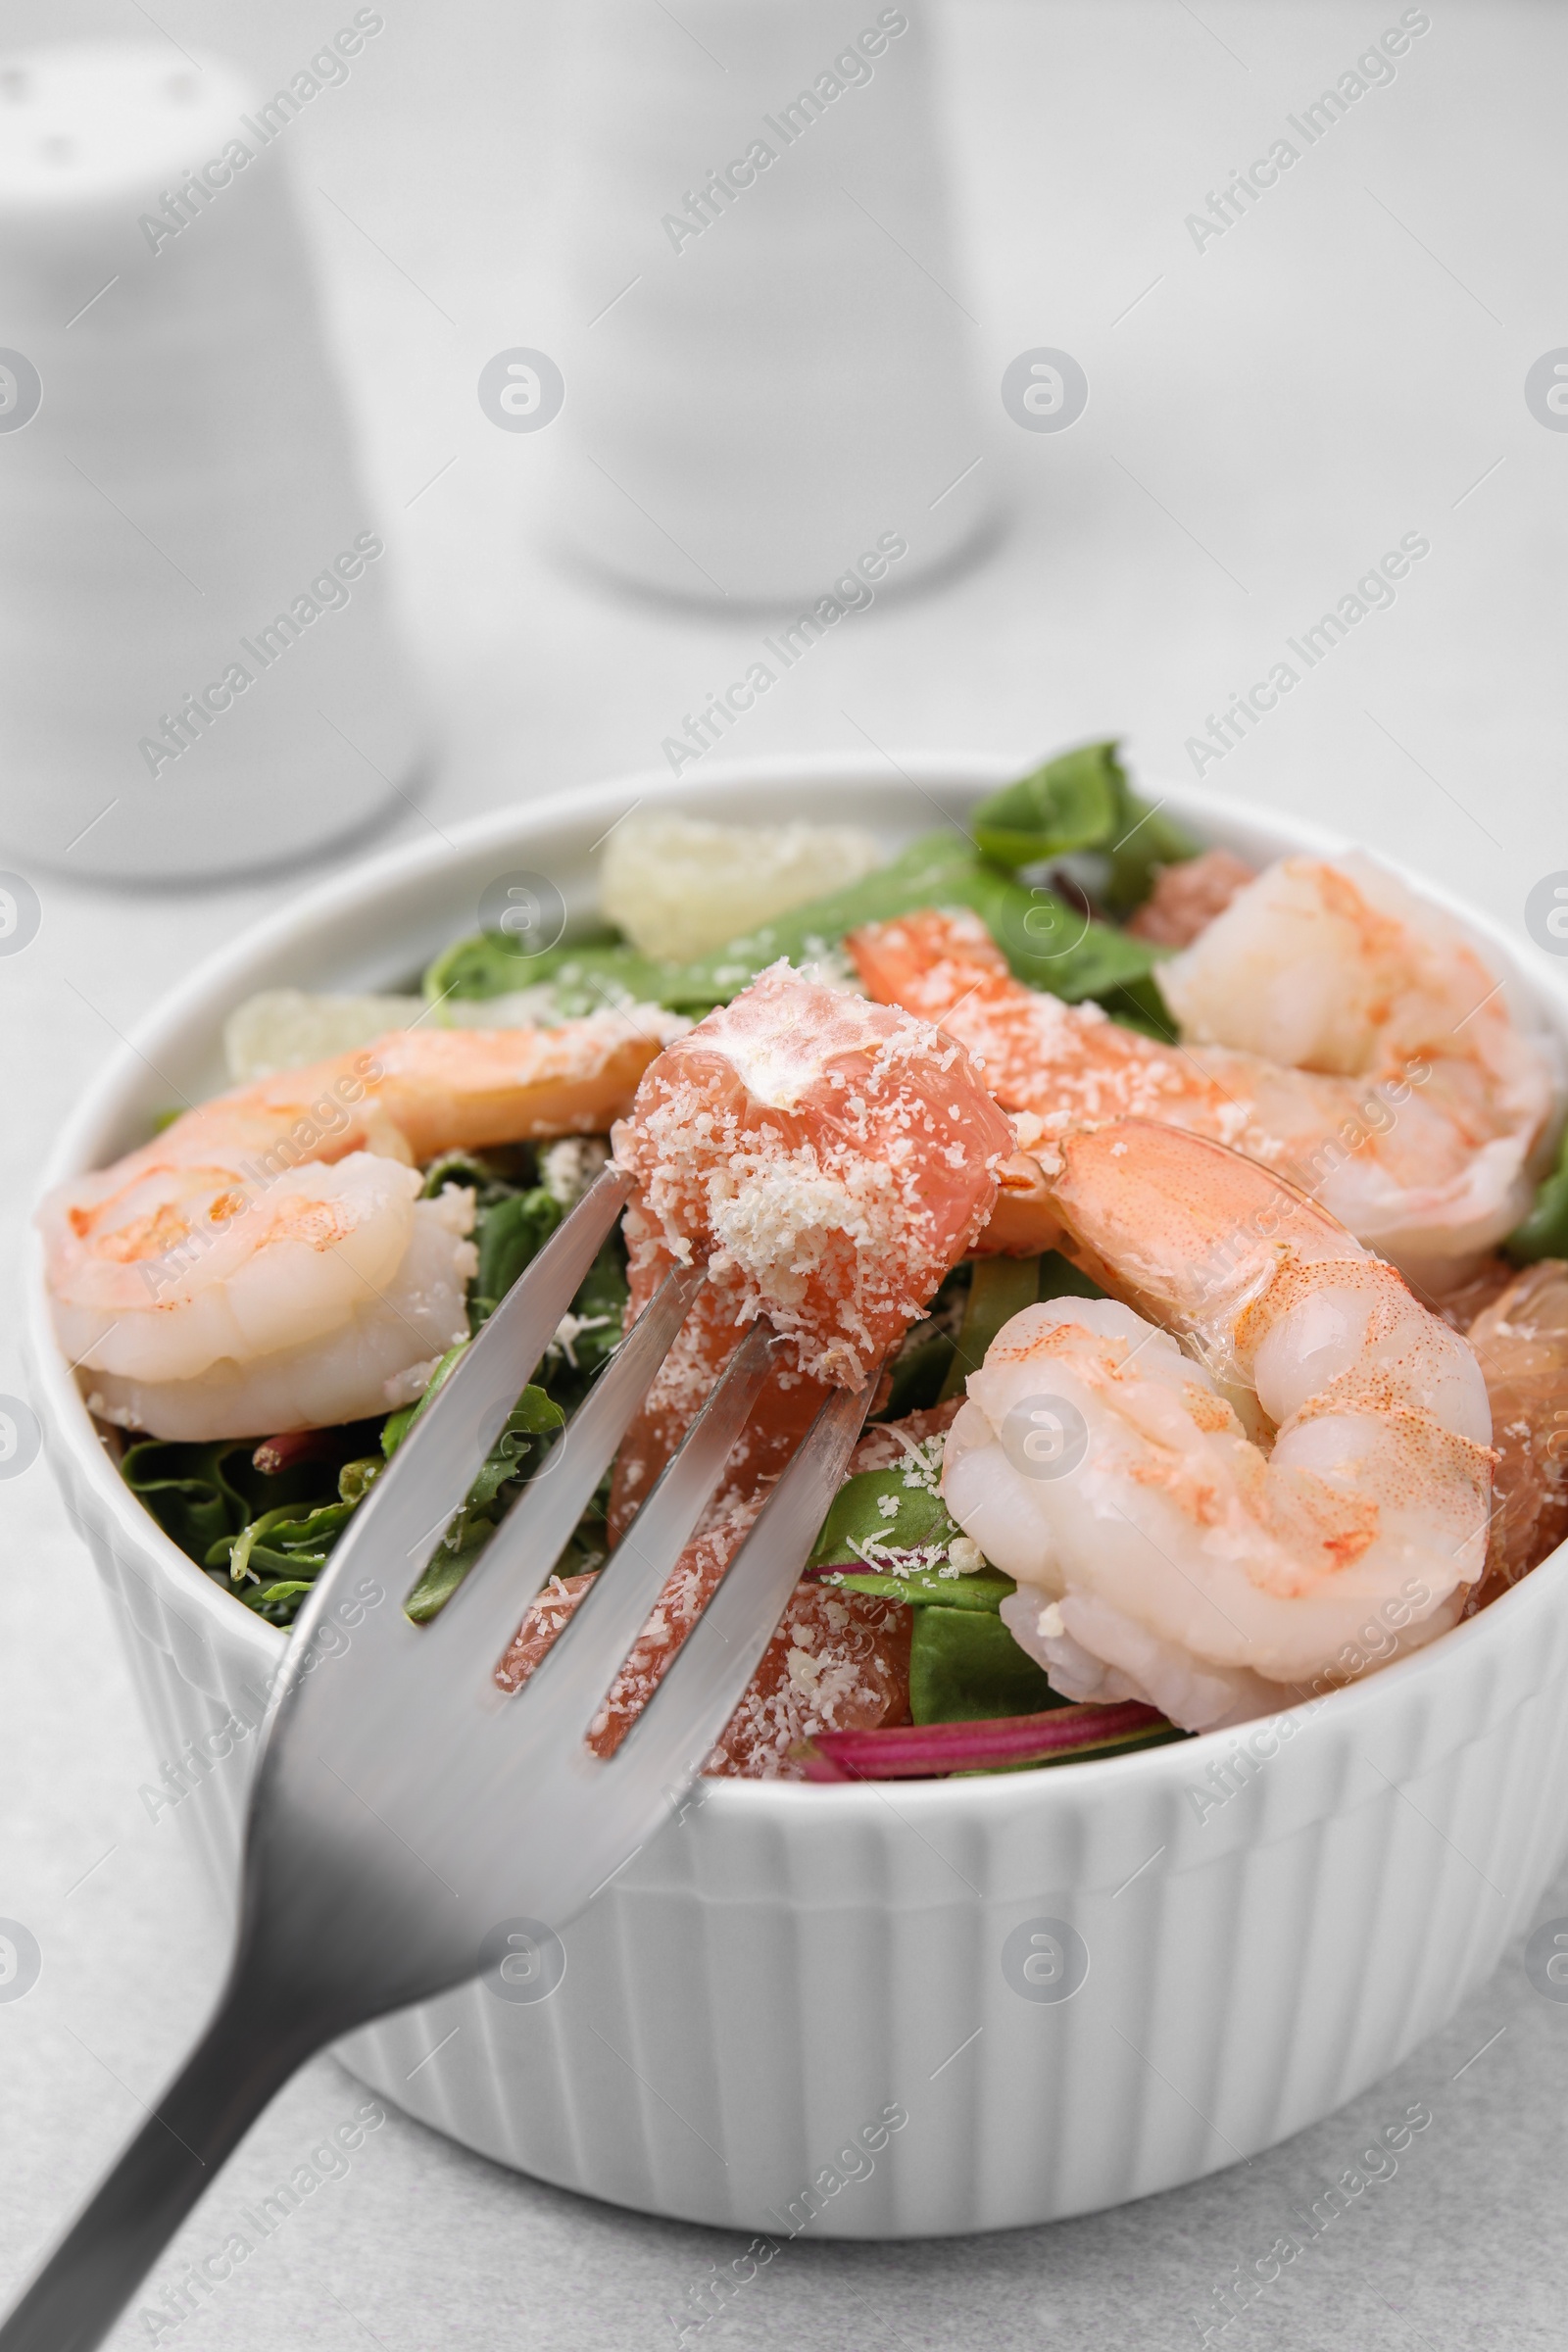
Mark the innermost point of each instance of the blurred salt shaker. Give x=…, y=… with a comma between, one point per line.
x=200, y=672
x=766, y=340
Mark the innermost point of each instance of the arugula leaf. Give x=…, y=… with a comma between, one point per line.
x=396, y=1427
x=1070, y=803
x=594, y=1326
x=513, y=1221
x=515, y=1456
x=965, y=1667
x=925, y=874
x=510, y=1236
x=201, y=1493
x=443, y=1573
x=277, y=1602
x=516, y=1450
x=287, y=1538
x=490, y=1176
x=512, y=1456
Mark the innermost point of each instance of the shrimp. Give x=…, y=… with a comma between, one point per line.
x=828, y=1160
x=1340, y=970
x=265, y=1263
x=1186, y=897
x=1334, y=1028
x=1299, y=1492
x=1521, y=1342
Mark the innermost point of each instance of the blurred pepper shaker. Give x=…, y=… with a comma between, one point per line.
x=771, y=367
x=201, y=675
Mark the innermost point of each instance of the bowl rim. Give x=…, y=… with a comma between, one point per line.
x=232, y=1631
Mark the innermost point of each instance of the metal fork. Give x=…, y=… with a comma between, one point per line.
x=403, y=1802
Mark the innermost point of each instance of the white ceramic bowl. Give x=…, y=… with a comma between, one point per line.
x=754, y=2004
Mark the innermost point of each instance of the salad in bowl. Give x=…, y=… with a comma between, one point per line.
x=1200, y=1218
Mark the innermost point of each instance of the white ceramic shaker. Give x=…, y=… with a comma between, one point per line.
x=200, y=676
x=766, y=339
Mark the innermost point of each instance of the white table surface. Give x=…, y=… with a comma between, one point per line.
x=1344, y=367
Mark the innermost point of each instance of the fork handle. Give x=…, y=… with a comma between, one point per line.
x=250, y=2048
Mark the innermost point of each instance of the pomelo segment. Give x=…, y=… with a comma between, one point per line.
x=827, y=1158
x=839, y=1661
x=680, y=886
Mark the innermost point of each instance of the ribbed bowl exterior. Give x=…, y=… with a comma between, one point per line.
x=795, y=2009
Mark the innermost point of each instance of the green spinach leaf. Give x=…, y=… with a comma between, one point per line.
x=965, y=1666
x=888, y=1519
x=1082, y=801
x=1070, y=803
x=924, y=1588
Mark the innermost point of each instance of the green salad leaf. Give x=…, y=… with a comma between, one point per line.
x=1082, y=801
x=921, y=1363
x=927, y=1588
x=1000, y=1289
x=200, y=1494
x=1070, y=803
x=1150, y=838
x=513, y=1221
x=487, y=964
x=883, y=1514
x=588, y=973
x=594, y=1328
x=278, y=1604
x=515, y=1456
x=510, y=1235
x=919, y=1370
x=964, y=1666
x=1048, y=942
x=1052, y=945
x=1543, y=1232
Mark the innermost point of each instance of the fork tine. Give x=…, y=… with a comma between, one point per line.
x=702, y=1687
x=406, y=1508
x=581, y=1666
x=487, y=1606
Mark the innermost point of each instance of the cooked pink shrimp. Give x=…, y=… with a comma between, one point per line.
x=1340, y=970
x=265, y=1263
x=1186, y=897
x=1333, y=1027
x=1301, y=1492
